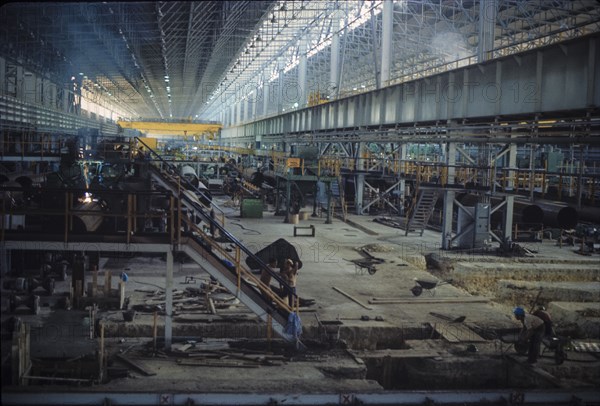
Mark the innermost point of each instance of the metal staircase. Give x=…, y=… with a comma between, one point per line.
x=227, y=268
x=420, y=212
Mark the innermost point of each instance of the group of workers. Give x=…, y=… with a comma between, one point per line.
x=288, y=273
x=536, y=325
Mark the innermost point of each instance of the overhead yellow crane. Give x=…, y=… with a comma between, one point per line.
x=172, y=128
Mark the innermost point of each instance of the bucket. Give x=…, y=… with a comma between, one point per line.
x=303, y=215
x=294, y=218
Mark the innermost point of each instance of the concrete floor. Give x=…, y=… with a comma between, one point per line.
x=388, y=354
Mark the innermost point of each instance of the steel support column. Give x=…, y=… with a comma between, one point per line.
x=2, y=76
x=447, y=217
x=280, y=84
x=265, y=90
x=451, y=162
x=487, y=25
x=334, y=65
x=386, y=41
x=507, y=218
x=302, y=68
x=360, y=187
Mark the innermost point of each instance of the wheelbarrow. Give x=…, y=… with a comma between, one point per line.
x=430, y=286
x=550, y=343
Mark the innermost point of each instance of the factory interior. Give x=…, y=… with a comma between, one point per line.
x=300, y=202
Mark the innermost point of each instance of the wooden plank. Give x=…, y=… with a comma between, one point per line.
x=429, y=301
x=154, y=330
x=211, y=306
x=408, y=353
x=135, y=365
x=457, y=333
x=540, y=372
x=225, y=363
x=351, y=298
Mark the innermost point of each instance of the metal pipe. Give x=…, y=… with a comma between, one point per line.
x=473, y=397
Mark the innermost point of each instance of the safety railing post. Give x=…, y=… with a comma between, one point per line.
x=237, y=268
x=66, y=216
x=128, y=239
x=171, y=219
x=179, y=217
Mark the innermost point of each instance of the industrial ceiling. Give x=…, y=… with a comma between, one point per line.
x=188, y=60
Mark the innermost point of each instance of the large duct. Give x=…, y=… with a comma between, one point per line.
x=549, y=214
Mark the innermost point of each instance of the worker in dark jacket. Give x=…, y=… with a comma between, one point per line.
x=543, y=314
x=532, y=332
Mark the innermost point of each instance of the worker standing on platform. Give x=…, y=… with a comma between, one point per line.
x=532, y=332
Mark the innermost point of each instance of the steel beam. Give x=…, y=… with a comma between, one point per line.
x=439, y=397
x=474, y=95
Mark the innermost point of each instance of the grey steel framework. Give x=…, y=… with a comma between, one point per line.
x=235, y=61
x=471, y=104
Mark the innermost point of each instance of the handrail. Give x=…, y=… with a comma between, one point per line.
x=188, y=183
x=222, y=231
x=239, y=268
x=231, y=239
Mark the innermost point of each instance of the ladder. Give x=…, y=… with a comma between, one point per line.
x=421, y=210
x=337, y=197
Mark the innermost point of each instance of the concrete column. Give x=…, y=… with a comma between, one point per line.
x=487, y=25
x=334, y=66
x=447, y=218
x=360, y=187
x=2, y=76
x=302, y=69
x=169, y=301
x=386, y=41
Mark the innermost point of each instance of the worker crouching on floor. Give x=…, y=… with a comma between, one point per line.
x=532, y=332
x=265, y=278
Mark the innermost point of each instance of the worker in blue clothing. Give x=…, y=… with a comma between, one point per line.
x=532, y=332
